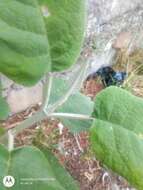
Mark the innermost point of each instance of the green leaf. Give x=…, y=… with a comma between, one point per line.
x=65, y=30
x=24, y=51
x=4, y=109
x=30, y=41
x=59, y=88
x=2, y=131
x=60, y=173
x=30, y=165
x=117, y=133
x=77, y=104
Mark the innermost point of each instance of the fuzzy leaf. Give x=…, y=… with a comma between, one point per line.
x=30, y=165
x=77, y=104
x=65, y=24
x=2, y=131
x=25, y=55
x=117, y=133
x=24, y=51
x=60, y=173
x=4, y=109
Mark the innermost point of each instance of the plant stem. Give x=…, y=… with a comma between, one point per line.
x=10, y=140
x=71, y=116
x=61, y=101
x=47, y=90
x=39, y=116
x=48, y=111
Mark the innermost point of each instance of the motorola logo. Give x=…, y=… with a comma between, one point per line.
x=8, y=181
